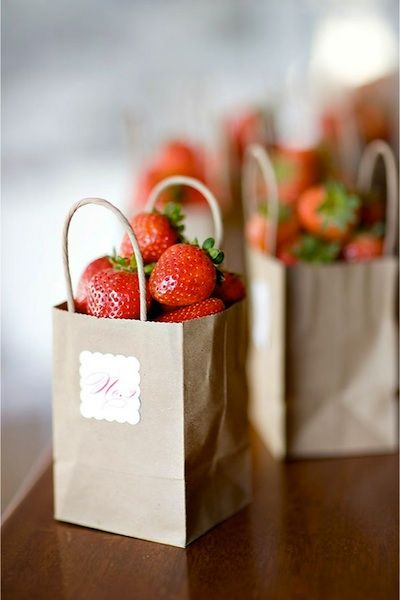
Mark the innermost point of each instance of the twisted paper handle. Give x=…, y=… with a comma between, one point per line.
x=138, y=256
x=374, y=150
x=257, y=156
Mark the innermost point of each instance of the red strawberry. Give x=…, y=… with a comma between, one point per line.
x=178, y=157
x=185, y=274
x=230, y=289
x=328, y=211
x=363, y=246
x=286, y=254
x=174, y=158
x=115, y=295
x=100, y=264
x=155, y=232
x=205, y=308
x=258, y=226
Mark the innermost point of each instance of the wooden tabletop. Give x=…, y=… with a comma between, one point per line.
x=317, y=529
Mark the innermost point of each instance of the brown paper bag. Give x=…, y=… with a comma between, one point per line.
x=149, y=419
x=323, y=352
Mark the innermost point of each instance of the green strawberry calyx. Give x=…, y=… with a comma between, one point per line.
x=314, y=250
x=339, y=207
x=208, y=246
x=216, y=255
x=120, y=263
x=173, y=212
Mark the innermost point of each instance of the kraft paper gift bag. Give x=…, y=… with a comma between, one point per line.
x=149, y=419
x=323, y=352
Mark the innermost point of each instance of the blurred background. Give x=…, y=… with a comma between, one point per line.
x=90, y=90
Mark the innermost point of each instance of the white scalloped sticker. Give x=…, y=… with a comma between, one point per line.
x=110, y=387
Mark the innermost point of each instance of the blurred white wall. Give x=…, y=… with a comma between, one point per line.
x=71, y=71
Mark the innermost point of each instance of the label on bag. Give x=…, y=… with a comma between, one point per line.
x=261, y=310
x=109, y=387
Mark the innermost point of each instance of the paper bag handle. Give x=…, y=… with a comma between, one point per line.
x=138, y=256
x=257, y=156
x=369, y=158
x=200, y=187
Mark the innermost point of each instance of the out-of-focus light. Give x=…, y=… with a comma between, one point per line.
x=296, y=121
x=353, y=51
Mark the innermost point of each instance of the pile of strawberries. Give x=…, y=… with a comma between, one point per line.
x=184, y=280
x=321, y=219
x=324, y=223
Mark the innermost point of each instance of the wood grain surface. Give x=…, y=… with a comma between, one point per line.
x=320, y=529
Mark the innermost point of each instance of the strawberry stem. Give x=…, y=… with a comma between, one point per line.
x=339, y=207
x=314, y=250
x=216, y=255
x=173, y=212
x=119, y=263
